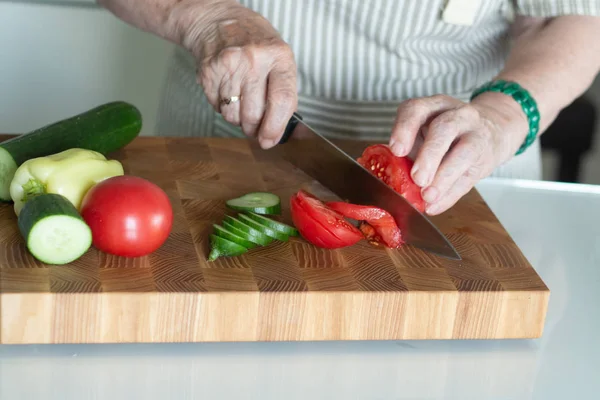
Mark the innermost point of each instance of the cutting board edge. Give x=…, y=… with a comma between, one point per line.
x=40, y=318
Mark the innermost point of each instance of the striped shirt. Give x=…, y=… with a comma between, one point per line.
x=358, y=59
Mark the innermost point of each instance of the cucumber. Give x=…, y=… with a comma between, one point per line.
x=221, y=247
x=236, y=223
x=106, y=128
x=264, y=229
x=232, y=237
x=278, y=226
x=257, y=202
x=262, y=240
x=53, y=229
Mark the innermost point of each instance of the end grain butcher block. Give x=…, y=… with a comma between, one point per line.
x=286, y=291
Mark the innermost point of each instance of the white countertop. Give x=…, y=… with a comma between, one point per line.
x=556, y=225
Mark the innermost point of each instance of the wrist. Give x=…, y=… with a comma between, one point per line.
x=509, y=123
x=192, y=23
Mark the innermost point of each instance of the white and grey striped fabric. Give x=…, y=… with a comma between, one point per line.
x=358, y=59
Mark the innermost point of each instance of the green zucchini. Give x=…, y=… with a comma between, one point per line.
x=53, y=229
x=106, y=128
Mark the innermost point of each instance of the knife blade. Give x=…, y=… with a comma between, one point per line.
x=319, y=158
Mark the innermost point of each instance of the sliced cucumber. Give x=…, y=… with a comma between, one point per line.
x=264, y=229
x=268, y=222
x=53, y=229
x=261, y=240
x=226, y=234
x=257, y=202
x=221, y=247
x=236, y=223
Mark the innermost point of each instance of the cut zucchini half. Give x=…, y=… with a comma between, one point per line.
x=264, y=229
x=53, y=229
x=270, y=223
x=257, y=202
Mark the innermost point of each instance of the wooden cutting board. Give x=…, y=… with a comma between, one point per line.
x=284, y=292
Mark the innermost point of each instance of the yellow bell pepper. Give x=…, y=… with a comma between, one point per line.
x=70, y=173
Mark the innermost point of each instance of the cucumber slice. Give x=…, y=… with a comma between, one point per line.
x=278, y=226
x=262, y=240
x=257, y=202
x=236, y=223
x=226, y=234
x=53, y=229
x=221, y=247
x=264, y=229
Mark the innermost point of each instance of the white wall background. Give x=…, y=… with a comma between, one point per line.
x=58, y=61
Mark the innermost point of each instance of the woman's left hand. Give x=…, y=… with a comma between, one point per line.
x=455, y=144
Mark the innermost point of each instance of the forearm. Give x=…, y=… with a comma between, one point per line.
x=555, y=60
x=182, y=22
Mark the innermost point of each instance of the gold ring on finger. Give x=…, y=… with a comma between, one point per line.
x=229, y=100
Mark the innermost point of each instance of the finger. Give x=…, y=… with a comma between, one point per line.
x=208, y=78
x=234, y=70
x=461, y=187
x=463, y=156
x=441, y=133
x=411, y=116
x=282, y=101
x=252, y=106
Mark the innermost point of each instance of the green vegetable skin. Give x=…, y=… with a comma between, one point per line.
x=236, y=235
x=106, y=128
x=53, y=229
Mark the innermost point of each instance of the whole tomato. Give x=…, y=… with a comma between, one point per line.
x=129, y=216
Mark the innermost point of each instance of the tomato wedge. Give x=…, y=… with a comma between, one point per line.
x=394, y=171
x=379, y=227
x=321, y=225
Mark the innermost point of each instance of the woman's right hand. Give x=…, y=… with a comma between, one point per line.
x=239, y=53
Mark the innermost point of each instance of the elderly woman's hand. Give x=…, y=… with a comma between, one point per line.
x=455, y=144
x=240, y=54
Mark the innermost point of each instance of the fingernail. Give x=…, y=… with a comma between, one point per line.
x=397, y=149
x=419, y=177
x=432, y=209
x=430, y=194
x=267, y=143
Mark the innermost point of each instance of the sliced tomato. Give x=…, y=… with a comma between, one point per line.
x=378, y=225
x=394, y=171
x=320, y=225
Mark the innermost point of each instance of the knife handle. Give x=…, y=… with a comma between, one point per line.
x=290, y=127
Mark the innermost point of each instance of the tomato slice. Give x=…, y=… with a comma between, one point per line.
x=320, y=225
x=378, y=227
x=394, y=171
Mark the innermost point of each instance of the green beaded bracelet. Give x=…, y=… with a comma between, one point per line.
x=522, y=97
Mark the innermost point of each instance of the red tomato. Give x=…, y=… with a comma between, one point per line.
x=394, y=171
x=379, y=225
x=320, y=225
x=129, y=216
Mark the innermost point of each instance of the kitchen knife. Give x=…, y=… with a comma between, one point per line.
x=329, y=165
